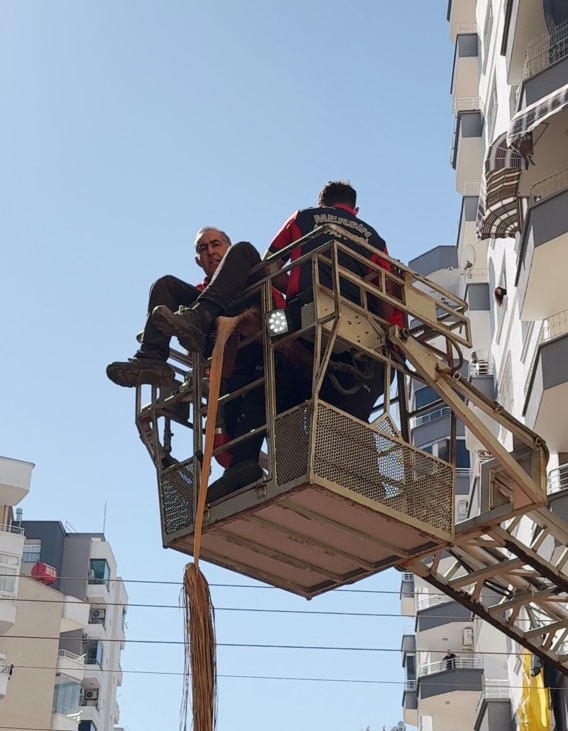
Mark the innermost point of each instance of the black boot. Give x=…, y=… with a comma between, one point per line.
x=247, y=472
x=139, y=370
x=189, y=324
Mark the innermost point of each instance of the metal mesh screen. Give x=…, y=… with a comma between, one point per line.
x=292, y=444
x=383, y=468
x=176, y=497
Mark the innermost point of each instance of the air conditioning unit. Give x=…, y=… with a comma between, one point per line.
x=91, y=695
x=97, y=613
x=462, y=509
x=467, y=638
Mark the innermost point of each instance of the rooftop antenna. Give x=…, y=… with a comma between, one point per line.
x=104, y=517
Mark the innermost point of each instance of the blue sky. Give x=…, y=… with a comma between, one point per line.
x=125, y=127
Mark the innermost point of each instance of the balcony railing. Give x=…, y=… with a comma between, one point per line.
x=548, y=187
x=456, y=663
x=477, y=276
x=407, y=576
x=68, y=713
x=79, y=659
x=494, y=690
x=409, y=685
x=557, y=479
x=465, y=28
x=11, y=528
x=431, y=416
x=425, y=601
x=546, y=50
x=550, y=329
x=480, y=368
x=467, y=104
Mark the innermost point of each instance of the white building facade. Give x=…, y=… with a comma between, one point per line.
x=62, y=620
x=509, y=89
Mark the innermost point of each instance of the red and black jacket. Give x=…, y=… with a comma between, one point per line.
x=303, y=222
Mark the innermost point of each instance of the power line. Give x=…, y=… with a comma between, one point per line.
x=260, y=610
x=218, y=585
x=231, y=676
x=266, y=646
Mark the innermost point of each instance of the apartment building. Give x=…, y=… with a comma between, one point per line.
x=15, y=480
x=83, y=571
x=62, y=620
x=509, y=150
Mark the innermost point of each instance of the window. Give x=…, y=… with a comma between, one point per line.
x=123, y=620
x=487, y=34
x=32, y=552
x=440, y=449
x=93, y=653
x=66, y=696
x=491, y=113
x=425, y=396
x=9, y=570
x=462, y=455
x=87, y=726
x=99, y=572
x=411, y=667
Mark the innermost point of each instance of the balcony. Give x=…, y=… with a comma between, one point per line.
x=15, y=479
x=450, y=691
x=70, y=664
x=524, y=21
x=494, y=711
x=465, y=75
x=467, y=235
x=410, y=703
x=557, y=488
x=5, y=673
x=407, y=602
x=90, y=711
x=461, y=13
x=441, y=622
x=467, y=155
x=63, y=720
x=431, y=416
x=97, y=592
x=546, y=387
x=546, y=65
x=543, y=255
x=75, y=614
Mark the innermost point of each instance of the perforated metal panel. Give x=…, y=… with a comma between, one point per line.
x=176, y=497
x=292, y=443
x=383, y=468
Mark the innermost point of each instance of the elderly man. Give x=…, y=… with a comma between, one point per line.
x=211, y=298
x=149, y=364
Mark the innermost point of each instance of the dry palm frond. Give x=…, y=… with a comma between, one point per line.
x=199, y=613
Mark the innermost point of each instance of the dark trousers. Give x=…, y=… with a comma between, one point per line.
x=231, y=278
x=359, y=404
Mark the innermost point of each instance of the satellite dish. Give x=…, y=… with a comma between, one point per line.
x=467, y=258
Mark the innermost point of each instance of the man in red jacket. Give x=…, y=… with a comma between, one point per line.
x=337, y=204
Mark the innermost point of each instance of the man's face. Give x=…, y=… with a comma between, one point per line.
x=210, y=250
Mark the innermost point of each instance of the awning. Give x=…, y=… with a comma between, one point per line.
x=527, y=120
x=498, y=212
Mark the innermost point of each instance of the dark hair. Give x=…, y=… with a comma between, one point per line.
x=336, y=192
